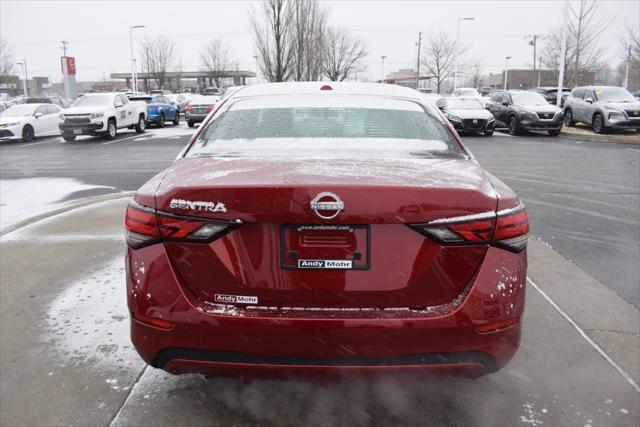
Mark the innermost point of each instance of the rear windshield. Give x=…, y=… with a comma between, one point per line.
x=327, y=128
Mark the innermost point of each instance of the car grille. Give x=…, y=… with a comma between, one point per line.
x=79, y=119
x=545, y=116
x=474, y=123
x=633, y=114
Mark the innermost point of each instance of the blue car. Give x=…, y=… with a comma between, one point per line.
x=159, y=109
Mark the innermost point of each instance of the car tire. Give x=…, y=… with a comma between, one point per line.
x=112, y=129
x=161, y=121
x=598, y=124
x=176, y=121
x=69, y=137
x=488, y=132
x=191, y=124
x=141, y=127
x=554, y=132
x=513, y=126
x=568, y=119
x=28, y=133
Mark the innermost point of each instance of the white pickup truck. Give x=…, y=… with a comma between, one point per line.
x=102, y=114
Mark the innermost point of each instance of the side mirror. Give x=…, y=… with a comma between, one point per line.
x=38, y=115
x=441, y=107
x=506, y=104
x=119, y=104
x=589, y=100
x=173, y=103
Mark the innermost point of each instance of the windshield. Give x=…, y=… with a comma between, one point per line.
x=19, y=110
x=347, y=129
x=94, y=101
x=469, y=92
x=528, y=98
x=464, y=104
x=613, y=94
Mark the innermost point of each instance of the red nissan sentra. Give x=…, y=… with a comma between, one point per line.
x=321, y=229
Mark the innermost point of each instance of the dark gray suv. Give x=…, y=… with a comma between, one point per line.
x=523, y=111
x=603, y=107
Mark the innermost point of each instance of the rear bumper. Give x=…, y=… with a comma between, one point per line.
x=196, y=118
x=290, y=345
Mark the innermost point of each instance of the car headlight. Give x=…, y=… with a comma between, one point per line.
x=491, y=119
x=7, y=125
x=96, y=116
x=616, y=115
x=527, y=115
x=453, y=118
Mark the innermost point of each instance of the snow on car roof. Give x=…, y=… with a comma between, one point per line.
x=309, y=88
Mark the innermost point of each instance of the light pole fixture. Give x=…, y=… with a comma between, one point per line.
x=455, y=70
x=506, y=71
x=382, y=58
x=134, y=85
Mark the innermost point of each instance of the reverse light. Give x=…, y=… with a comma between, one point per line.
x=145, y=226
x=507, y=229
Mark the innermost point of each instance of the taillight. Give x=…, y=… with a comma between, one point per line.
x=188, y=109
x=507, y=229
x=210, y=107
x=145, y=226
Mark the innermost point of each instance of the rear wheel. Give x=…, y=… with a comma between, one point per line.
x=27, y=134
x=69, y=137
x=161, y=121
x=176, y=120
x=554, y=132
x=598, y=124
x=513, y=126
x=112, y=130
x=191, y=124
x=142, y=125
x=568, y=119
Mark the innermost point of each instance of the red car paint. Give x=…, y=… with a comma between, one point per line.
x=418, y=304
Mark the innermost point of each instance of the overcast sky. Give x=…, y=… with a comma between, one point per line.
x=99, y=37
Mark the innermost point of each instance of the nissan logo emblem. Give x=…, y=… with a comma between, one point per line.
x=327, y=205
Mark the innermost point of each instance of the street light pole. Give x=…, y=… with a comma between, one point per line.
x=23, y=64
x=455, y=70
x=506, y=71
x=418, y=65
x=382, y=58
x=134, y=87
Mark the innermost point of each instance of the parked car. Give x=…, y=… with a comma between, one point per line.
x=603, y=107
x=57, y=100
x=180, y=99
x=550, y=93
x=520, y=111
x=264, y=228
x=159, y=92
x=159, y=109
x=102, y=114
x=212, y=90
x=29, y=121
x=198, y=108
x=431, y=98
x=467, y=115
x=470, y=92
x=636, y=95
x=486, y=91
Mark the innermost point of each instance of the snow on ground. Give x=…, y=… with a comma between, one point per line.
x=88, y=323
x=25, y=198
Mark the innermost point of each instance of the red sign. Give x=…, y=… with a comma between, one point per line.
x=69, y=64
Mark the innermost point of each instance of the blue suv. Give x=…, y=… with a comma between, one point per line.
x=159, y=109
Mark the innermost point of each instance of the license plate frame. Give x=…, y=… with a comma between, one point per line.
x=362, y=263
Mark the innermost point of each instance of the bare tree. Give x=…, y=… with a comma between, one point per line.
x=583, y=51
x=343, y=54
x=308, y=31
x=6, y=58
x=158, y=57
x=272, y=27
x=216, y=57
x=439, y=53
x=475, y=70
x=629, y=40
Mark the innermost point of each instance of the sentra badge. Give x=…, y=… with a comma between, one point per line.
x=196, y=205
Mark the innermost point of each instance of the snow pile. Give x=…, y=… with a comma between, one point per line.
x=24, y=198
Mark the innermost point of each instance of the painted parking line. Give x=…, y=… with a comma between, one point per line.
x=53, y=139
x=121, y=139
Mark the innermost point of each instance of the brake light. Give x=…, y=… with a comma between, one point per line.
x=145, y=226
x=210, y=107
x=188, y=109
x=507, y=229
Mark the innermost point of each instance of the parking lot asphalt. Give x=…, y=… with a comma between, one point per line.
x=66, y=357
x=583, y=197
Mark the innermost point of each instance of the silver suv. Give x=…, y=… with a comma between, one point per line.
x=603, y=107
